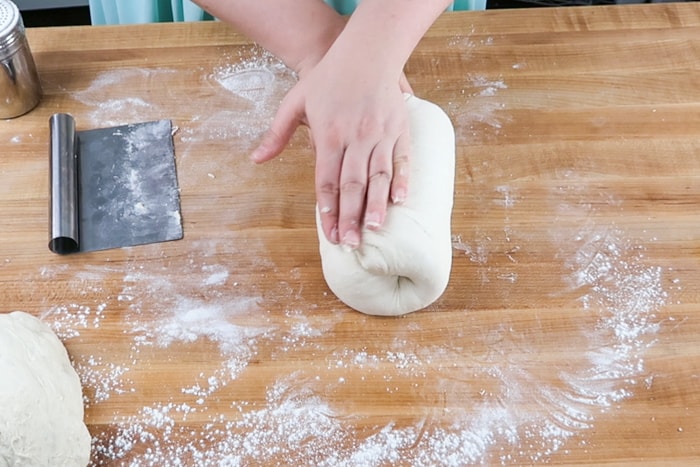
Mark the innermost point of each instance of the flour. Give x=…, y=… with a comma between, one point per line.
x=251, y=81
x=66, y=321
x=302, y=423
x=501, y=403
x=464, y=44
x=486, y=87
x=514, y=411
x=110, y=107
x=476, y=110
x=254, y=85
x=218, y=275
x=101, y=380
x=509, y=197
x=183, y=318
x=404, y=361
x=478, y=252
x=296, y=427
x=258, y=81
x=626, y=293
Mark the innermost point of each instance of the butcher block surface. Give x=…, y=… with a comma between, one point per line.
x=568, y=334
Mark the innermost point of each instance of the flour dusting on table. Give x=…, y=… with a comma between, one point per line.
x=101, y=380
x=255, y=85
x=300, y=420
x=477, y=112
x=110, y=107
x=255, y=77
x=486, y=377
x=475, y=108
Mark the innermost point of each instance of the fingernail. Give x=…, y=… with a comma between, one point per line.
x=334, y=235
x=399, y=196
x=255, y=155
x=351, y=241
x=373, y=220
x=325, y=210
x=259, y=154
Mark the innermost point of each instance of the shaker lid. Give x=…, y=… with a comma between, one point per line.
x=9, y=17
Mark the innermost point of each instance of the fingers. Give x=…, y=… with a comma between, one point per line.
x=388, y=179
x=401, y=168
x=353, y=189
x=328, y=166
x=288, y=117
x=362, y=156
x=355, y=186
x=378, y=185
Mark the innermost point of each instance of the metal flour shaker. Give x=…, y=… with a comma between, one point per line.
x=20, y=89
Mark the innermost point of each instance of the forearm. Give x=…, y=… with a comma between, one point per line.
x=299, y=32
x=382, y=34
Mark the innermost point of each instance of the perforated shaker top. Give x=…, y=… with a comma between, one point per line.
x=9, y=17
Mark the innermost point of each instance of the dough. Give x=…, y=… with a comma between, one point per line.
x=404, y=266
x=41, y=401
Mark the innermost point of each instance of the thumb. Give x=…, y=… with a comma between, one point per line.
x=287, y=119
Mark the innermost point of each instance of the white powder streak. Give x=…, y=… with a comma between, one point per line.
x=184, y=317
x=476, y=111
x=257, y=85
x=110, y=107
x=518, y=416
x=67, y=321
x=101, y=380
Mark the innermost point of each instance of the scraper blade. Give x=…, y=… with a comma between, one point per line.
x=126, y=191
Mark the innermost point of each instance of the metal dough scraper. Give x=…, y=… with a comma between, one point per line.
x=112, y=187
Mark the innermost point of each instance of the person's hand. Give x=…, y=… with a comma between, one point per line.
x=350, y=98
x=359, y=130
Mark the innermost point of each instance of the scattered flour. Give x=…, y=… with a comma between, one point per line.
x=476, y=111
x=518, y=411
x=255, y=77
x=164, y=311
x=101, y=379
x=110, y=107
x=478, y=253
x=257, y=83
x=218, y=275
x=68, y=320
x=303, y=423
x=509, y=197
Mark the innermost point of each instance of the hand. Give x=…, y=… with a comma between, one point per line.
x=350, y=97
x=359, y=129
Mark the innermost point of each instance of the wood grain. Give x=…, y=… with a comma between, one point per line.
x=568, y=333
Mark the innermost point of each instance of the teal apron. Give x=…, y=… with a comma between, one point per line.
x=144, y=11
x=155, y=11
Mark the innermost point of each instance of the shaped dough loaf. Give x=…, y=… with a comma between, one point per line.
x=404, y=266
x=41, y=400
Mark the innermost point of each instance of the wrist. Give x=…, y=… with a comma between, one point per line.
x=307, y=57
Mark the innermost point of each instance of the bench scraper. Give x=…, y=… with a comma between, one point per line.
x=112, y=187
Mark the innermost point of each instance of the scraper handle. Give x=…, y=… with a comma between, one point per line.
x=63, y=160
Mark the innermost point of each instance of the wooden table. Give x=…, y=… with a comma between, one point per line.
x=568, y=333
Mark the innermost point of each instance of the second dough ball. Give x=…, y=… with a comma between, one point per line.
x=41, y=400
x=405, y=266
